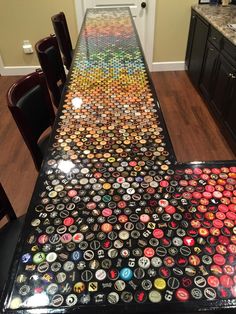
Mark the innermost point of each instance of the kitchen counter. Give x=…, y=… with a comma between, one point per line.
x=211, y=63
x=219, y=17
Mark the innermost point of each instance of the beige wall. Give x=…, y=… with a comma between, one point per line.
x=27, y=19
x=171, y=29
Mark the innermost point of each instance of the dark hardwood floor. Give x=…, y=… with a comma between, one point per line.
x=194, y=134
x=17, y=171
x=193, y=131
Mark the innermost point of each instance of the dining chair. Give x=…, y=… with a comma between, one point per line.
x=9, y=235
x=63, y=38
x=51, y=63
x=31, y=107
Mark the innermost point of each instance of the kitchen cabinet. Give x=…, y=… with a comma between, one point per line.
x=215, y=76
x=208, y=71
x=230, y=114
x=196, y=46
x=221, y=92
x=190, y=38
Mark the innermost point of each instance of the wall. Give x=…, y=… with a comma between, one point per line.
x=171, y=29
x=32, y=22
x=27, y=19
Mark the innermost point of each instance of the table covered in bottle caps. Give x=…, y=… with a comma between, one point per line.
x=115, y=222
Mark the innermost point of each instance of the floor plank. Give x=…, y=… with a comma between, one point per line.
x=193, y=131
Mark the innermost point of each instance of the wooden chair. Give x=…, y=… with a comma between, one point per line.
x=9, y=235
x=63, y=38
x=51, y=63
x=31, y=107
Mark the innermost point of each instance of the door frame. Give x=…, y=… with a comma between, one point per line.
x=150, y=26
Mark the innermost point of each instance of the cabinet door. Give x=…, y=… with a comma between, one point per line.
x=207, y=80
x=190, y=38
x=230, y=112
x=221, y=92
x=197, y=50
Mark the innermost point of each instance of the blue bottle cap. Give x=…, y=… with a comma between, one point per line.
x=126, y=274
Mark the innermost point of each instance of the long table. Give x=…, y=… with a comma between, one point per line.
x=115, y=222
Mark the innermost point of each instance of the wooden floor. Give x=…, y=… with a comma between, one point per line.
x=17, y=171
x=193, y=132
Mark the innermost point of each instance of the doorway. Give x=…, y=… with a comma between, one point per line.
x=143, y=13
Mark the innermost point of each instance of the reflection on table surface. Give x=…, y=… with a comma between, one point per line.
x=115, y=223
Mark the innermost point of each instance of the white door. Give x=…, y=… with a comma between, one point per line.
x=143, y=13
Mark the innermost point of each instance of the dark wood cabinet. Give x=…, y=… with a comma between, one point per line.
x=208, y=71
x=190, y=38
x=223, y=86
x=196, y=47
x=230, y=113
x=211, y=66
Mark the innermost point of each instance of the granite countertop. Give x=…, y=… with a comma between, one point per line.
x=219, y=17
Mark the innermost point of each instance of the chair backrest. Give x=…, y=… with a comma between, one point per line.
x=6, y=209
x=31, y=107
x=51, y=63
x=63, y=38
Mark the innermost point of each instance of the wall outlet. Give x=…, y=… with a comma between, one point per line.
x=27, y=47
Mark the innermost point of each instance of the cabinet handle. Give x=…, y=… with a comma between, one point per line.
x=232, y=76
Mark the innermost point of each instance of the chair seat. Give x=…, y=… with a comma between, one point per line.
x=9, y=235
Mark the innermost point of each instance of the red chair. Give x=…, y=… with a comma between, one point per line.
x=31, y=107
x=51, y=63
x=9, y=235
x=63, y=38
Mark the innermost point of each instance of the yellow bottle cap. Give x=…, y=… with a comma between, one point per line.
x=159, y=283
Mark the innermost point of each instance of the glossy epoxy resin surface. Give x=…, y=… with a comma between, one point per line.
x=115, y=223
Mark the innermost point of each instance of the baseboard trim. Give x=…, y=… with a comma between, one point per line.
x=18, y=70
x=168, y=66
x=156, y=67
